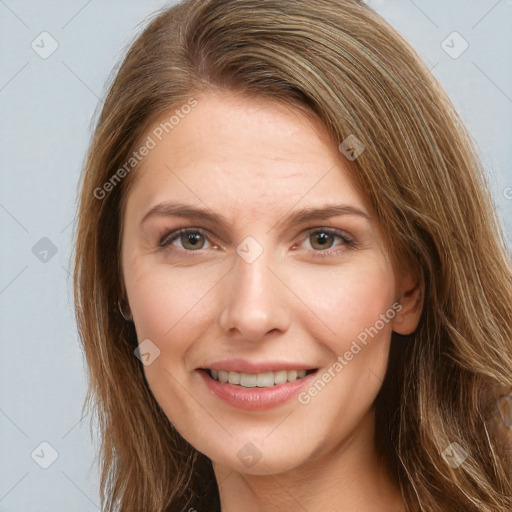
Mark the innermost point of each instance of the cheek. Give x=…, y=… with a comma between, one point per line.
x=172, y=308
x=348, y=301
x=169, y=306
x=355, y=302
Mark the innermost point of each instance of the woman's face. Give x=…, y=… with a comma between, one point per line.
x=279, y=270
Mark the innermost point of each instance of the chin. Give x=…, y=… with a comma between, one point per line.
x=258, y=457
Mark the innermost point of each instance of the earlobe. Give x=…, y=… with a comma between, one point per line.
x=407, y=318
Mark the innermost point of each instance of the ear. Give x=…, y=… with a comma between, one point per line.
x=410, y=298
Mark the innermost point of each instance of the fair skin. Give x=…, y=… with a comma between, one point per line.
x=256, y=164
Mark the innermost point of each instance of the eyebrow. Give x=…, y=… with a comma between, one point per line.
x=170, y=209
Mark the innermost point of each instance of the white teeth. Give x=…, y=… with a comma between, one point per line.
x=234, y=378
x=280, y=377
x=264, y=380
x=261, y=380
x=248, y=380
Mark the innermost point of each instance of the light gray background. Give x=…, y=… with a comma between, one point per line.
x=47, y=108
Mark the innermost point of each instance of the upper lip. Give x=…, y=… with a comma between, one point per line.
x=246, y=366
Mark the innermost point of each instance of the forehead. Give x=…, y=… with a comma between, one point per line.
x=242, y=154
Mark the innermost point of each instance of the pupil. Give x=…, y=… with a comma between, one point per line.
x=322, y=238
x=193, y=238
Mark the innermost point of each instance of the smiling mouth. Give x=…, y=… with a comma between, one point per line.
x=260, y=380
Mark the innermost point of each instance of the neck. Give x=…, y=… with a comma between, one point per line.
x=345, y=478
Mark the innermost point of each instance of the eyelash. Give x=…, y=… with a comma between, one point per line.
x=166, y=242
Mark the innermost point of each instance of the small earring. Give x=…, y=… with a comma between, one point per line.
x=126, y=316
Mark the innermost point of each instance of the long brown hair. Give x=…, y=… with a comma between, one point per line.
x=337, y=60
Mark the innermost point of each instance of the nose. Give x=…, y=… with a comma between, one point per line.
x=254, y=300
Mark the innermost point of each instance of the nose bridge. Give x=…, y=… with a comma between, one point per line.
x=254, y=303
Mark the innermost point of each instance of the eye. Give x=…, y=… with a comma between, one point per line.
x=191, y=239
x=322, y=239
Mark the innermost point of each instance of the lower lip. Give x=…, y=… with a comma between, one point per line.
x=256, y=398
